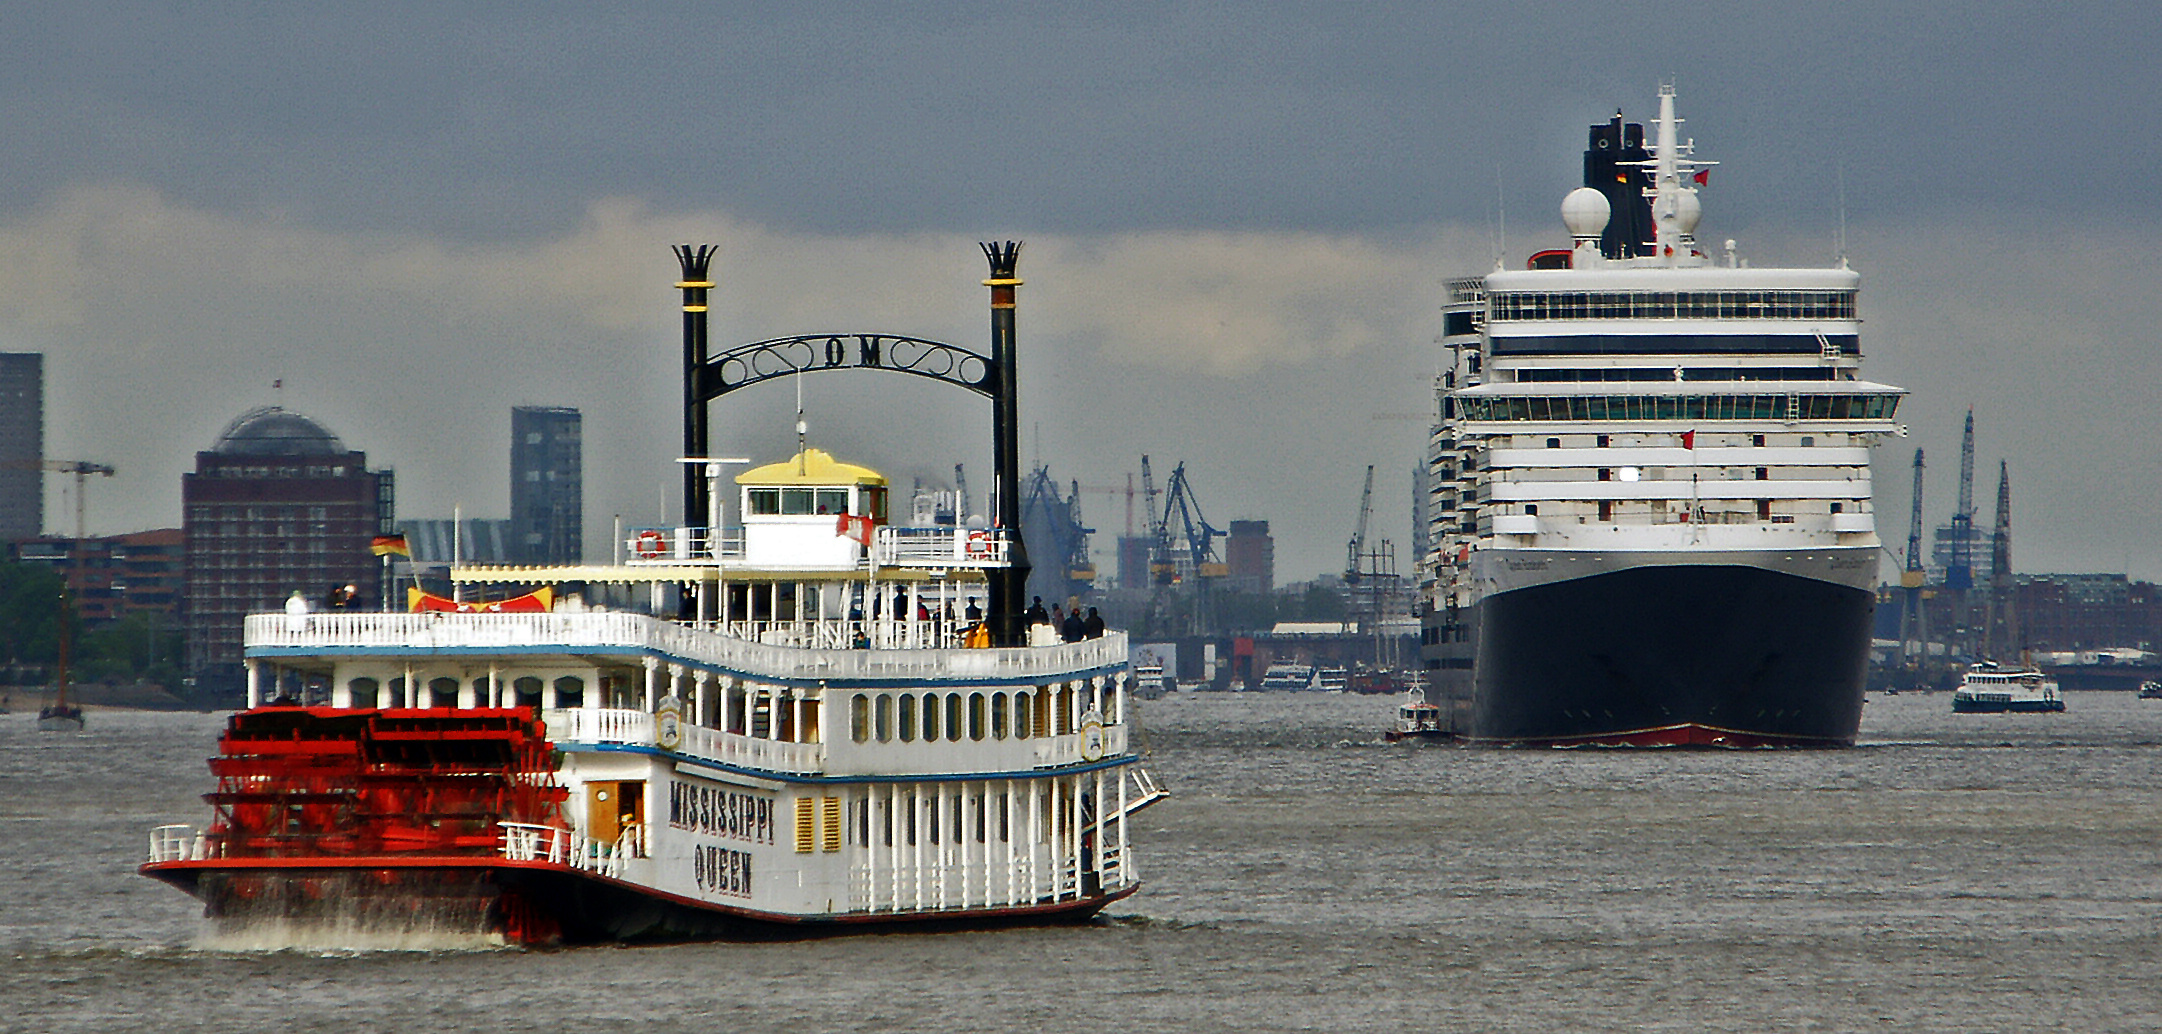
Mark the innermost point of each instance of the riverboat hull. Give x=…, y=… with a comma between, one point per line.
x=394, y=899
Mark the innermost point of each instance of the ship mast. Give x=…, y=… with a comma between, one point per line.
x=1675, y=175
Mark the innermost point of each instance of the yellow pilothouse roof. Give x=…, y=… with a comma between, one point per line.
x=811, y=467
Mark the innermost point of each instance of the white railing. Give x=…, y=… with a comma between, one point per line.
x=616, y=725
x=682, y=545
x=549, y=632
x=598, y=725
x=527, y=842
x=620, y=726
x=178, y=844
x=939, y=547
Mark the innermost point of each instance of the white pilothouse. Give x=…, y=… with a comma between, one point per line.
x=1649, y=485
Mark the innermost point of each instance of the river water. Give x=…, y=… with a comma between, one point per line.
x=1978, y=872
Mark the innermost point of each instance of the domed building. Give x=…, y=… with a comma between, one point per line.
x=277, y=504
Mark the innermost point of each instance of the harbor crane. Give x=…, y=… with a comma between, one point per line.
x=1914, y=620
x=1357, y=549
x=82, y=469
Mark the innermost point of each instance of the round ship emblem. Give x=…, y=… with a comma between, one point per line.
x=668, y=724
x=1092, y=736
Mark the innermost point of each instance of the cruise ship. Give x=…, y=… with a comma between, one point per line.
x=1648, y=487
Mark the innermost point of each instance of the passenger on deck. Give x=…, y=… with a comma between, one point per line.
x=1072, y=629
x=1092, y=627
x=974, y=613
x=1036, y=614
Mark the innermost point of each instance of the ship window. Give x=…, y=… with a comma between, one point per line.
x=930, y=718
x=832, y=500
x=953, y=717
x=442, y=692
x=764, y=501
x=975, y=716
x=1838, y=507
x=884, y=718
x=1808, y=442
x=1005, y=819
x=1757, y=440
x=1021, y=717
x=795, y=500
x=570, y=691
x=908, y=720
x=859, y=718
x=1764, y=473
x=526, y=692
x=1606, y=509
x=364, y=692
x=1553, y=443
x=1605, y=440
x=1606, y=473
x=998, y=716
x=911, y=830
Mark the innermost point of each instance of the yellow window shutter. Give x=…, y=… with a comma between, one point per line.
x=806, y=825
x=829, y=823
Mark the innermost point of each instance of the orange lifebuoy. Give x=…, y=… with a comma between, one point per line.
x=650, y=544
x=979, y=543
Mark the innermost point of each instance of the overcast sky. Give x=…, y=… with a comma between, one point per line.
x=1238, y=220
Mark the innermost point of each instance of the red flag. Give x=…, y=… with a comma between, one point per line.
x=1689, y=439
x=1703, y=177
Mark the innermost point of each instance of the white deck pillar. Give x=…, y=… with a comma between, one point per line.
x=653, y=680
x=255, y=683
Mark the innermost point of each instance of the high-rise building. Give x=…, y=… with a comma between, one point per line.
x=547, y=493
x=278, y=504
x=1250, y=553
x=22, y=445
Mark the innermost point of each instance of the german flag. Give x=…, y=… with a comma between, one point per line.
x=385, y=545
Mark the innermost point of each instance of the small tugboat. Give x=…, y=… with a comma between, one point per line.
x=1416, y=719
x=1992, y=688
x=801, y=730
x=2150, y=690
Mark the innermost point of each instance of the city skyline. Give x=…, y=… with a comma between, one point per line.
x=1238, y=221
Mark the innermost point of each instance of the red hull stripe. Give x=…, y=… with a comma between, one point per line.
x=1686, y=734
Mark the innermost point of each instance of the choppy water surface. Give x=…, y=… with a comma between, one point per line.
x=1983, y=872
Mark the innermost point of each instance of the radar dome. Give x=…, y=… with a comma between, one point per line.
x=1585, y=212
x=1687, y=211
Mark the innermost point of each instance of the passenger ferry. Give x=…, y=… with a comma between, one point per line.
x=1649, y=486
x=800, y=730
x=1992, y=688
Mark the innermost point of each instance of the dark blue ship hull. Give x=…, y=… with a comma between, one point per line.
x=1667, y=655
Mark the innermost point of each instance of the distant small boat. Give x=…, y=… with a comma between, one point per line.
x=1416, y=719
x=1992, y=688
x=2150, y=691
x=60, y=717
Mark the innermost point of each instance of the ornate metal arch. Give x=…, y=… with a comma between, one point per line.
x=745, y=365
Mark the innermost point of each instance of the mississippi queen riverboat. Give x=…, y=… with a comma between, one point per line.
x=806, y=729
